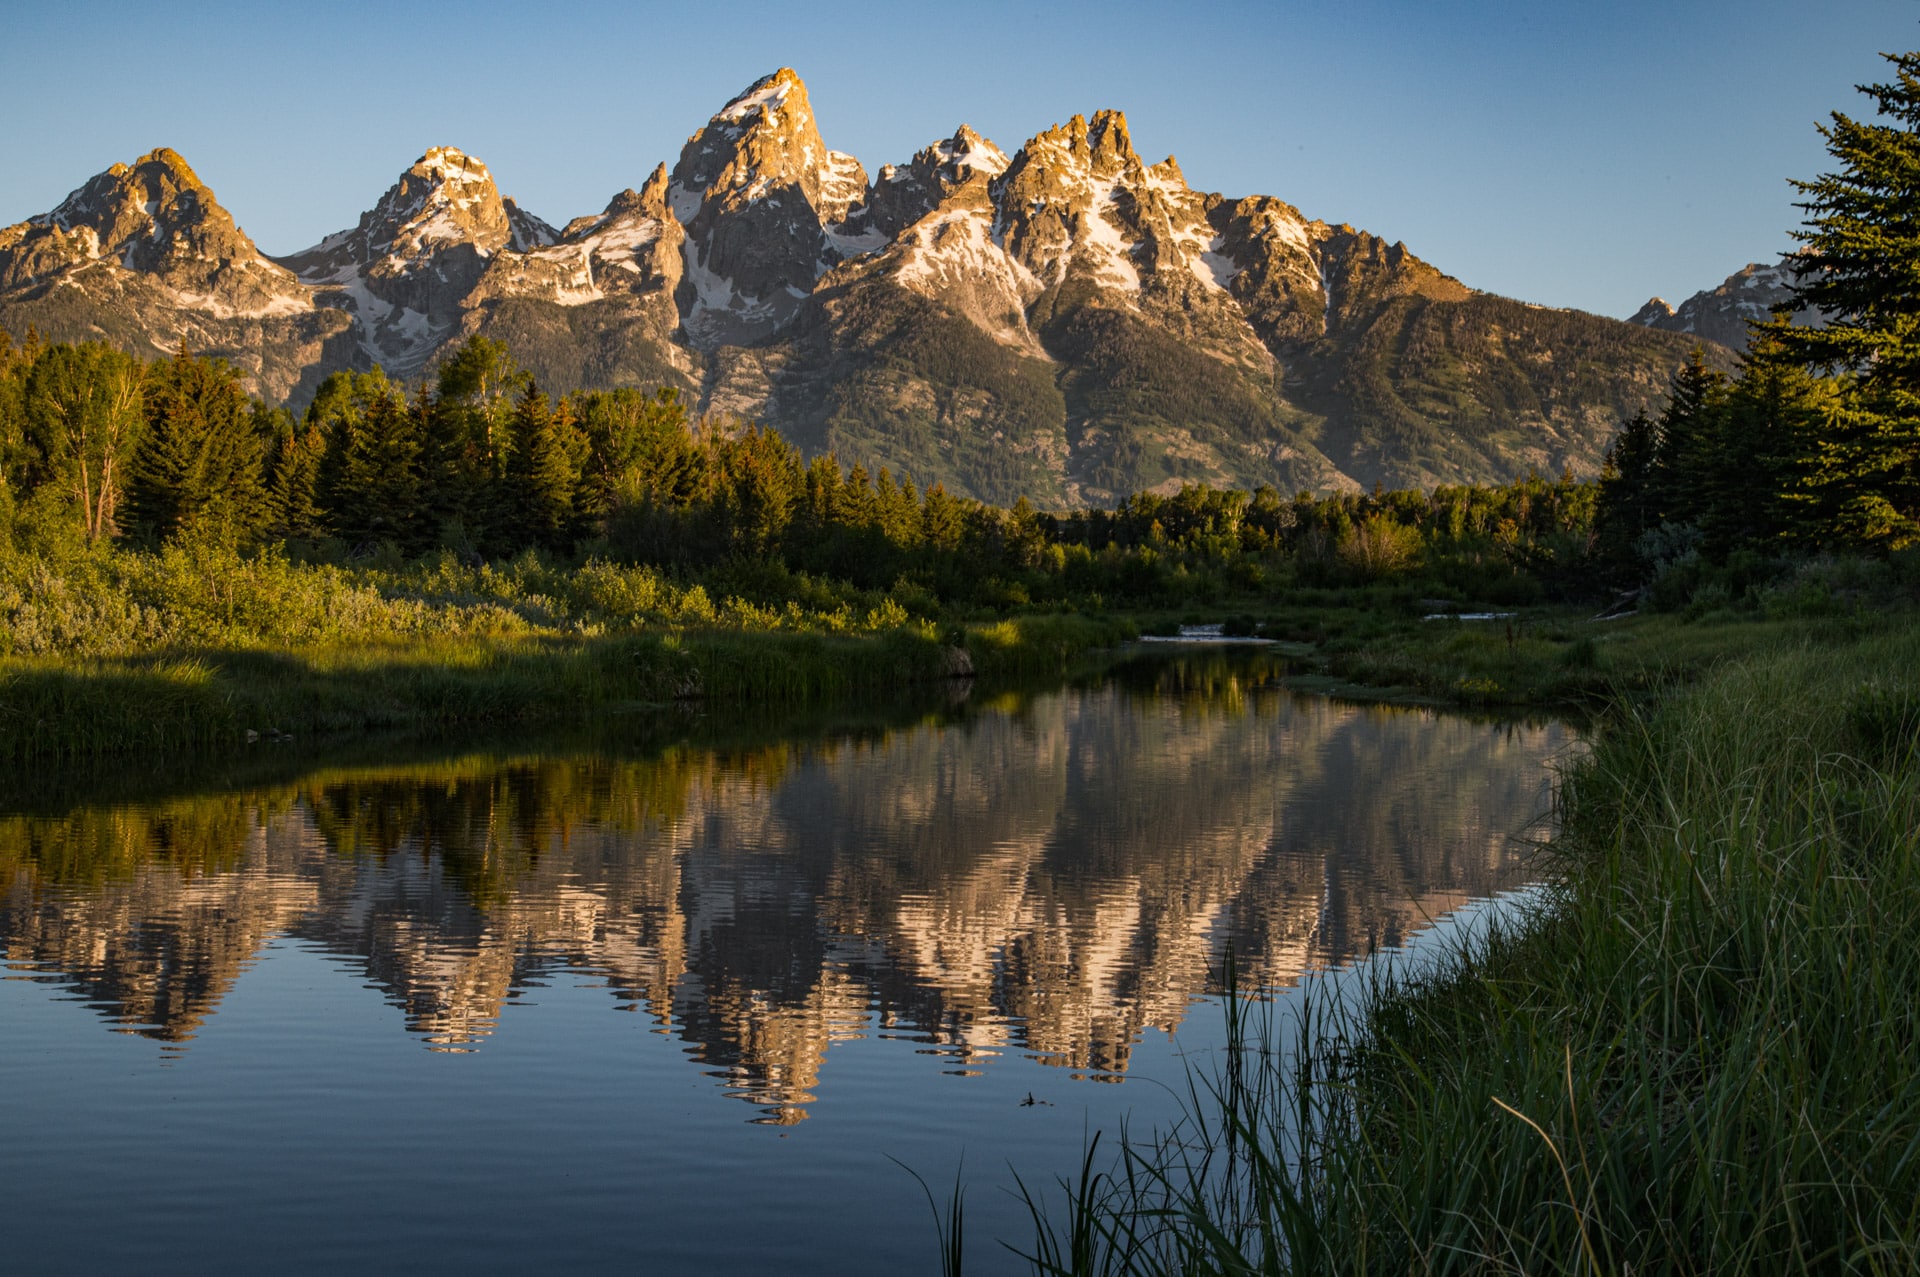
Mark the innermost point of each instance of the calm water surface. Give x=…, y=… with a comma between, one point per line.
x=672, y=1005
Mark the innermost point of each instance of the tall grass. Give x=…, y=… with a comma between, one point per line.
x=1696, y=1057
x=109, y=650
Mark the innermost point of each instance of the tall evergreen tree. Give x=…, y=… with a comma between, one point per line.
x=293, y=484
x=543, y=471
x=1861, y=269
x=371, y=482
x=200, y=471
x=1777, y=416
x=1626, y=507
x=1687, y=442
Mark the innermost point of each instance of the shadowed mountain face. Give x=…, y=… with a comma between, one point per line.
x=1067, y=323
x=1051, y=876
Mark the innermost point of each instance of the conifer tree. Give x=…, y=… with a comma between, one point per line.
x=1687, y=442
x=293, y=486
x=1626, y=507
x=1777, y=415
x=371, y=483
x=14, y=451
x=637, y=447
x=543, y=471
x=1861, y=268
x=199, y=472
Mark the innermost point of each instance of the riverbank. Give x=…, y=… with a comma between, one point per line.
x=67, y=709
x=1696, y=1057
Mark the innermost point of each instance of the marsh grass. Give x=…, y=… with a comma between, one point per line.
x=70, y=708
x=1696, y=1056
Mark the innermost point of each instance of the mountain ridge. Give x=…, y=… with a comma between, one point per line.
x=1067, y=322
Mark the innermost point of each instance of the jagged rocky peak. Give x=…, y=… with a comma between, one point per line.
x=156, y=218
x=527, y=232
x=760, y=145
x=1654, y=314
x=406, y=269
x=649, y=202
x=445, y=200
x=1748, y=296
x=1078, y=199
x=631, y=247
x=905, y=193
x=767, y=209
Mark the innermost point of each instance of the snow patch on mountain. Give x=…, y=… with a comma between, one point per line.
x=1110, y=249
x=1211, y=266
x=968, y=150
x=767, y=95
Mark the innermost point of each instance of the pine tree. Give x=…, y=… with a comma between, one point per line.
x=543, y=472
x=293, y=488
x=1861, y=268
x=1777, y=416
x=1626, y=507
x=371, y=483
x=200, y=471
x=1687, y=442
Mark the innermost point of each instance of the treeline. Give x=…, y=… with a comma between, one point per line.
x=482, y=464
x=1816, y=443
x=1735, y=467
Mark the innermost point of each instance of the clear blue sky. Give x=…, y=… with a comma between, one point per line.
x=1571, y=154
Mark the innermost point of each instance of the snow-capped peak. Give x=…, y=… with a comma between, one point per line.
x=765, y=95
x=968, y=150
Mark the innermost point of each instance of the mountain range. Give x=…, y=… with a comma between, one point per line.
x=1723, y=313
x=1067, y=322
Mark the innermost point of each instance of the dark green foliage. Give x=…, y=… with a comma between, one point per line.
x=293, y=482
x=1862, y=268
x=1688, y=442
x=638, y=447
x=542, y=472
x=1626, y=508
x=200, y=471
x=372, y=481
x=1430, y=391
x=1770, y=490
x=928, y=391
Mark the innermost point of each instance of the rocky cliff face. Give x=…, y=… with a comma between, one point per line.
x=1068, y=322
x=763, y=201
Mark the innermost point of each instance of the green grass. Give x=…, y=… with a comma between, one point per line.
x=65, y=710
x=1697, y=1057
x=1553, y=658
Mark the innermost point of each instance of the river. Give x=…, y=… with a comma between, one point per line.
x=685, y=998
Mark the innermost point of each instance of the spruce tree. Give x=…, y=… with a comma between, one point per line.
x=1687, y=443
x=1777, y=416
x=543, y=472
x=1626, y=508
x=199, y=472
x=293, y=488
x=1861, y=268
x=371, y=482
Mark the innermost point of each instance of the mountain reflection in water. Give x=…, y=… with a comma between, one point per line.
x=1045, y=874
